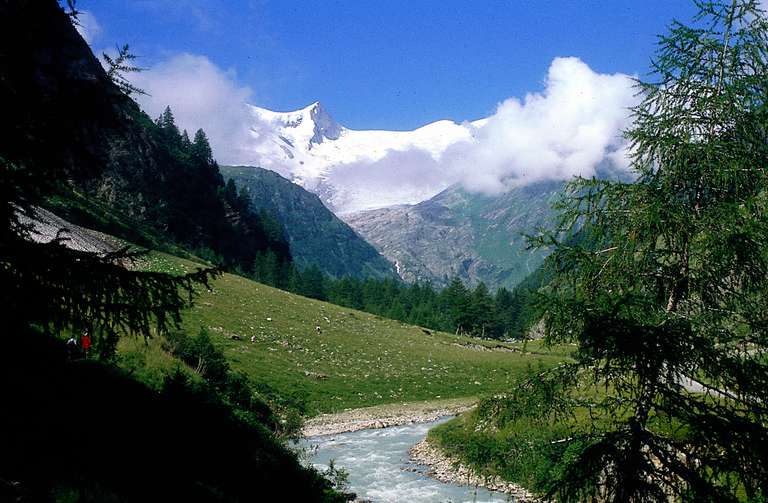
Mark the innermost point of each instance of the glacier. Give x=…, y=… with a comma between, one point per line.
x=353, y=170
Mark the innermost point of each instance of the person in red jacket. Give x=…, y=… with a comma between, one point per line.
x=85, y=343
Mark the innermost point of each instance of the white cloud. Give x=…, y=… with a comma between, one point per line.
x=88, y=27
x=571, y=128
x=400, y=177
x=201, y=95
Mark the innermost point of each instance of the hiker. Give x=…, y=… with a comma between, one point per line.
x=71, y=347
x=85, y=342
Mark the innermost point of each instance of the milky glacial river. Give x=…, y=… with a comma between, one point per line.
x=379, y=469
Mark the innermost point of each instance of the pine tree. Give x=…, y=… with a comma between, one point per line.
x=482, y=312
x=244, y=199
x=54, y=288
x=267, y=268
x=230, y=193
x=668, y=298
x=186, y=143
x=201, y=148
x=167, y=123
x=312, y=283
x=455, y=298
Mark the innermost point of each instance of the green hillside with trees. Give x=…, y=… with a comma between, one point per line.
x=74, y=426
x=326, y=358
x=666, y=304
x=315, y=235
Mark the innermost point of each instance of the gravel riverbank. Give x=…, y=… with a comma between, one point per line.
x=383, y=416
x=445, y=469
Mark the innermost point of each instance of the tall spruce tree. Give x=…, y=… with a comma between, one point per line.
x=201, y=148
x=670, y=310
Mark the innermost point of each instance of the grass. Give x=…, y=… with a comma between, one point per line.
x=355, y=360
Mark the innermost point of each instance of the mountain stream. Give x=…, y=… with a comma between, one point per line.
x=380, y=470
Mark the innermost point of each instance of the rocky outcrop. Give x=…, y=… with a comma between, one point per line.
x=64, y=113
x=46, y=227
x=456, y=233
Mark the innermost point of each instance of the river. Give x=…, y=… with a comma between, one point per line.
x=380, y=471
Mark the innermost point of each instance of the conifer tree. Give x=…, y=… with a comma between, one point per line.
x=456, y=300
x=244, y=199
x=482, y=311
x=670, y=309
x=186, y=143
x=230, y=193
x=167, y=123
x=119, y=66
x=55, y=288
x=201, y=148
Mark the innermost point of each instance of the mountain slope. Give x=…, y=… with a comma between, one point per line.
x=66, y=117
x=341, y=165
x=315, y=235
x=457, y=233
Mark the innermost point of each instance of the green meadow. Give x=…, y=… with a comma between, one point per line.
x=332, y=358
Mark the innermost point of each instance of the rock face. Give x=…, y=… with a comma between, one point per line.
x=46, y=227
x=324, y=125
x=473, y=236
x=315, y=235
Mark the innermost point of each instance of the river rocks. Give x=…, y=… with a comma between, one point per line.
x=383, y=417
x=443, y=468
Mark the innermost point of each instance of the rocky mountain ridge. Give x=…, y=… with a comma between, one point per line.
x=457, y=233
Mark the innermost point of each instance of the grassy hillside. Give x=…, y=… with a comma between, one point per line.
x=356, y=360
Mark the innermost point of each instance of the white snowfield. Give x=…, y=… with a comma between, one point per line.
x=346, y=167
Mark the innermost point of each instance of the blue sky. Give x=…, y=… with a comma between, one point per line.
x=388, y=64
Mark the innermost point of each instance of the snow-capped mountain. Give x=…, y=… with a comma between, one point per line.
x=352, y=170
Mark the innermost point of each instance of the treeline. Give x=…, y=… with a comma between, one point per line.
x=206, y=215
x=456, y=308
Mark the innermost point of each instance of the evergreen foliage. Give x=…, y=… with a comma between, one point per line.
x=77, y=429
x=78, y=290
x=667, y=301
x=455, y=309
x=203, y=213
x=121, y=64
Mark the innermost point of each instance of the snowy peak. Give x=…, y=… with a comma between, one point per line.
x=350, y=169
x=301, y=128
